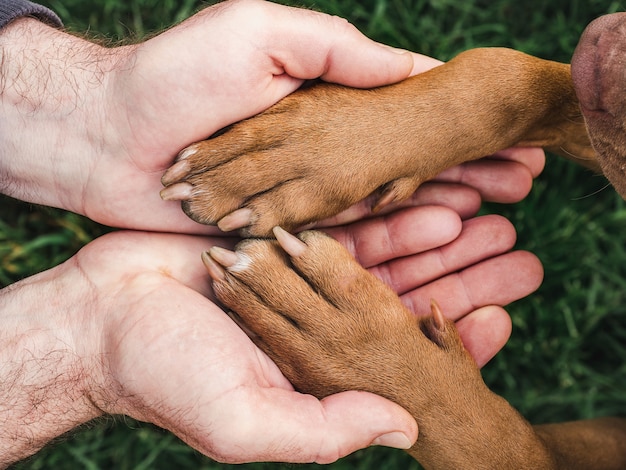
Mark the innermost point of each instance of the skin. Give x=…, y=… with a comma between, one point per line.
x=122, y=324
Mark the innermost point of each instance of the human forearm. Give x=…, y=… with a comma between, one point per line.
x=51, y=100
x=43, y=378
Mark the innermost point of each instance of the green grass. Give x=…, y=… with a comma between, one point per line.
x=566, y=359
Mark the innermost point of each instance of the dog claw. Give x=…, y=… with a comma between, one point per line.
x=434, y=326
x=216, y=271
x=291, y=244
x=224, y=257
x=383, y=201
x=396, y=191
x=439, y=319
x=186, y=153
x=235, y=220
x=175, y=173
x=176, y=192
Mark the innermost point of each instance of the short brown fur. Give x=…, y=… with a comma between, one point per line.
x=324, y=148
x=330, y=325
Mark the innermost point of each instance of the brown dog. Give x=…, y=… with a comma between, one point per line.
x=330, y=329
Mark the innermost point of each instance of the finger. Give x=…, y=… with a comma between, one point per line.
x=496, y=180
x=484, y=332
x=310, y=430
x=534, y=158
x=308, y=44
x=504, y=177
x=377, y=240
x=462, y=199
x=481, y=238
x=157, y=216
x=423, y=63
x=496, y=281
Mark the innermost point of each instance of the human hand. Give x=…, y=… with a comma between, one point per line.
x=506, y=177
x=91, y=129
x=128, y=326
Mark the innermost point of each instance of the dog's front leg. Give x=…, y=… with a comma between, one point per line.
x=331, y=326
x=324, y=148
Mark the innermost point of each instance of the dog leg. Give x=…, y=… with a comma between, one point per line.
x=324, y=148
x=331, y=326
x=590, y=444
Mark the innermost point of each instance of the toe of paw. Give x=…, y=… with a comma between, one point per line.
x=199, y=213
x=185, y=153
x=396, y=191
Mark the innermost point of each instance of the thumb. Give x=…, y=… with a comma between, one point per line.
x=361, y=419
x=282, y=425
x=309, y=44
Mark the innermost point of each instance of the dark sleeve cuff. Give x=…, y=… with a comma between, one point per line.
x=13, y=9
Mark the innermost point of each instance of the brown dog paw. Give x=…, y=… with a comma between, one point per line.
x=331, y=326
x=310, y=156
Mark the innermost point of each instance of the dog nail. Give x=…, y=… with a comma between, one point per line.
x=186, y=153
x=176, y=192
x=438, y=317
x=386, y=199
x=176, y=172
x=235, y=220
x=223, y=256
x=291, y=244
x=396, y=439
x=215, y=270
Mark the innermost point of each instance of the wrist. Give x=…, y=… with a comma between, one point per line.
x=51, y=108
x=45, y=379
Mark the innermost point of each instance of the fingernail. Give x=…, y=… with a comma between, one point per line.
x=223, y=256
x=176, y=172
x=291, y=244
x=396, y=50
x=177, y=192
x=235, y=220
x=216, y=272
x=396, y=439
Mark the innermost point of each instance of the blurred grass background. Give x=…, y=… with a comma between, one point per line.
x=567, y=357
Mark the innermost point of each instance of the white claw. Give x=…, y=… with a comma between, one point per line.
x=186, y=153
x=177, y=192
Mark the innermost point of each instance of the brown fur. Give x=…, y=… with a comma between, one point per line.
x=324, y=148
x=331, y=326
